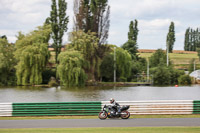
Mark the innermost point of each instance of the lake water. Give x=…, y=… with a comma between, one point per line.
x=62, y=94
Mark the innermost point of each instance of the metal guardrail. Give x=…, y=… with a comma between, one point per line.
x=5, y=109
x=93, y=108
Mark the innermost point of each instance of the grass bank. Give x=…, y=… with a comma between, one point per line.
x=108, y=130
x=179, y=59
x=96, y=117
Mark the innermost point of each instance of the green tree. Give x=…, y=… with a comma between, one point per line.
x=133, y=31
x=3, y=37
x=171, y=37
x=7, y=63
x=32, y=55
x=191, y=66
x=131, y=44
x=107, y=67
x=123, y=65
x=58, y=20
x=87, y=43
x=137, y=67
x=185, y=80
x=175, y=74
x=71, y=68
x=93, y=15
x=198, y=52
x=158, y=57
x=192, y=40
x=186, y=42
x=131, y=47
x=163, y=75
x=136, y=31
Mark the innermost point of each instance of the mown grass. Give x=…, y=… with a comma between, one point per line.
x=179, y=60
x=96, y=117
x=107, y=130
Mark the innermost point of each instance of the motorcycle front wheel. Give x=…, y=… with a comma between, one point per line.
x=125, y=114
x=103, y=115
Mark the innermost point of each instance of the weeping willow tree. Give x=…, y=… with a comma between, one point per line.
x=70, y=69
x=7, y=63
x=32, y=55
x=87, y=44
x=123, y=65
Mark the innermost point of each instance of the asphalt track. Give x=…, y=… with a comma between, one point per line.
x=78, y=123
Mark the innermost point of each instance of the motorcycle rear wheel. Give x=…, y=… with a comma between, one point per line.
x=125, y=114
x=103, y=115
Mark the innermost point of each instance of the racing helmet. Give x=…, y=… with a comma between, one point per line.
x=112, y=100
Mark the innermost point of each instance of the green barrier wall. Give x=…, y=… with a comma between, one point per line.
x=83, y=108
x=53, y=109
x=196, y=107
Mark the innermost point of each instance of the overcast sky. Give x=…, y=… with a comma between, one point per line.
x=154, y=18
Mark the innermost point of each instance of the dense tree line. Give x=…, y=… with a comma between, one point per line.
x=192, y=39
x=87, y=58
x=7, y=63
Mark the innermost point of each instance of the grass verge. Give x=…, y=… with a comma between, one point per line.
x=108, y=130
x=96, y=117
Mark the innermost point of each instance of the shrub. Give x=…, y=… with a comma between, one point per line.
x=185, y=80
x=123, y=79
x=53, y=82
x=161, y=75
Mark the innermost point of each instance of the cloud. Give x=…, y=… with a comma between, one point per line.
x=26, y=15
x=154, y=17
x=149, y=9
x=157, y=24
x=138, y=8
x=156, y=27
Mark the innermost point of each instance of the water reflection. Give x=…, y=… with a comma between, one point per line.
x=63, y=94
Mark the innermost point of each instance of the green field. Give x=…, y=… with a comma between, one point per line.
x=108, y=130
x=180, y=60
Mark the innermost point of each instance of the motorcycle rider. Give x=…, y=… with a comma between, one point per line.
x=115, y=105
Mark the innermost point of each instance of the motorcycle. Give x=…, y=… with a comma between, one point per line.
x=110, y=112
